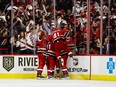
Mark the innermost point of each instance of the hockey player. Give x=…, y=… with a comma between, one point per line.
x=50, y=60
x=41, y=51
x=58, y=39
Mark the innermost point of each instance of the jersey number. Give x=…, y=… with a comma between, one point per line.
x=56, y=35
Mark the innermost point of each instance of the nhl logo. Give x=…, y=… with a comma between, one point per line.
x=8, y=63
x=75, y=61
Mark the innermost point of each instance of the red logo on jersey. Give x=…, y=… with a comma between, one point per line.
x=4, y=42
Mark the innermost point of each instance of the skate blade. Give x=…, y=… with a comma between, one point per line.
x=65, y=78
x=51, y=79
x=40, y=78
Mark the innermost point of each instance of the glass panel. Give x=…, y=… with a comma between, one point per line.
x=92, y=24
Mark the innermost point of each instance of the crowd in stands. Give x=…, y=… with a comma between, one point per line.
x=26, y=24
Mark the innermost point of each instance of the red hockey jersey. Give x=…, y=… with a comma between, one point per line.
x=41, y=46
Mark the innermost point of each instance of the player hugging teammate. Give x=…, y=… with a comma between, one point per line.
x=53, y=51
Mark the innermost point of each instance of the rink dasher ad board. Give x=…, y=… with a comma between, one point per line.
x=80, y=67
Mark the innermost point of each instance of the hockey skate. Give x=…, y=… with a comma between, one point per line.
x=40, y=77
x=50, y=77
x=57, y=76
x=65, y=77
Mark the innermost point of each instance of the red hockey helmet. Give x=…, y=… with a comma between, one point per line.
x=43, y=33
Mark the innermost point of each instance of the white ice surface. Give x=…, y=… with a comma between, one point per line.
x=54, y=83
